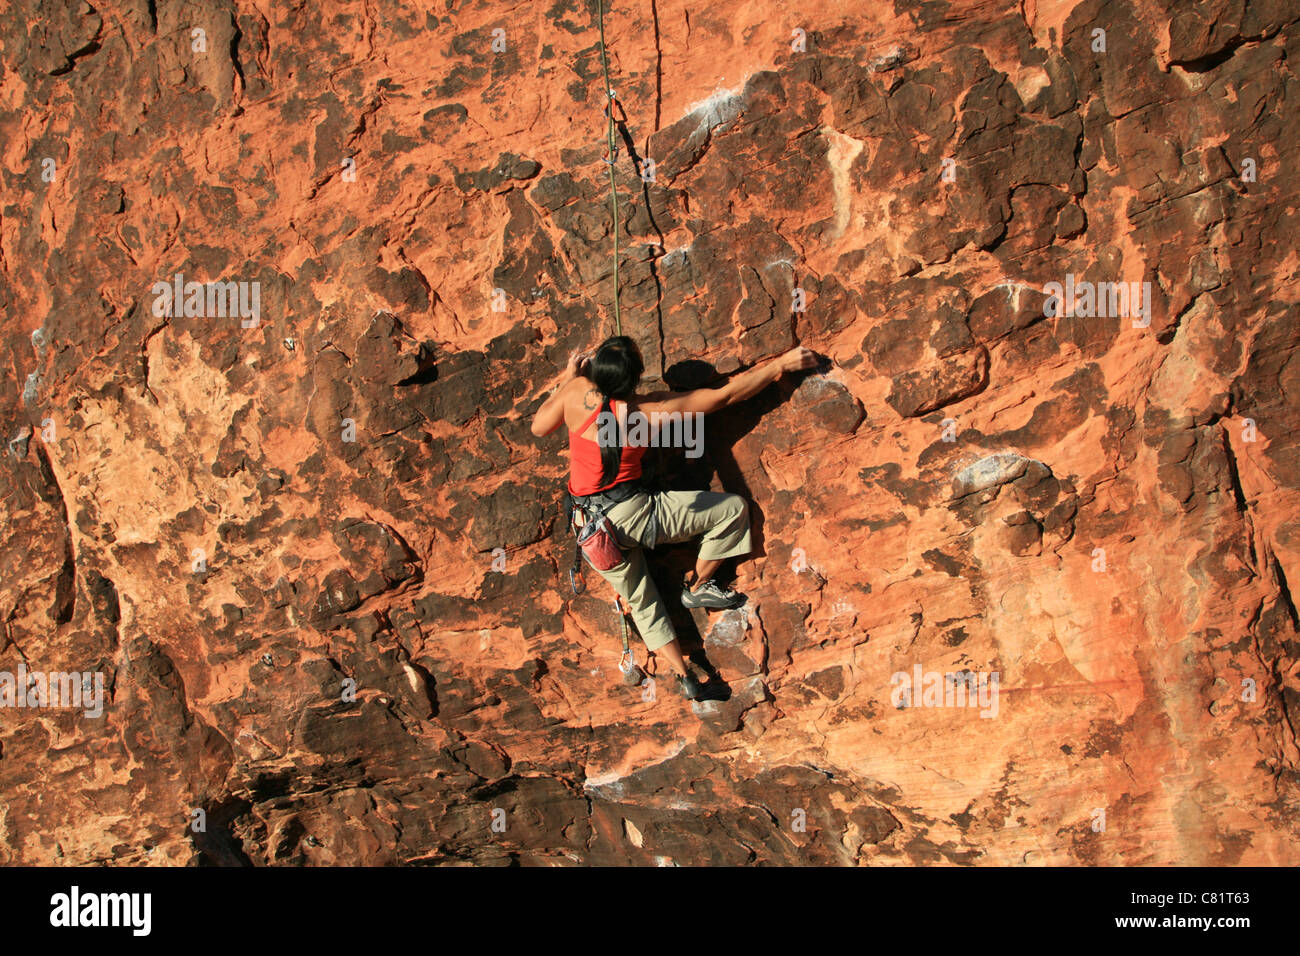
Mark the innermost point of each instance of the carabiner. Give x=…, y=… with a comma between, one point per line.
x=576, y=582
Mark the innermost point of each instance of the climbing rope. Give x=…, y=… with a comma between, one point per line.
x=611, y=157
x=627, y=661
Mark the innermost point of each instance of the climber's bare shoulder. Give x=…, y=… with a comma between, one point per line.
x=581, y=398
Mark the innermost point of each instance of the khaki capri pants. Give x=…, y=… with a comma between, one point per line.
x=722, y=518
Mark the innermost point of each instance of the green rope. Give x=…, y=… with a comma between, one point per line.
x=612, y=145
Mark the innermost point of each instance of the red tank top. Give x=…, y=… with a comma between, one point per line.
x=585, y=467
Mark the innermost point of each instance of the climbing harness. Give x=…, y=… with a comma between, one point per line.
x=593, y=509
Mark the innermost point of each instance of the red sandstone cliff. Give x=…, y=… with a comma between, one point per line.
x=186, y=516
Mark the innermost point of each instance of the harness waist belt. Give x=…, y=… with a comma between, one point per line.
x=602, y=501
x=610, y=496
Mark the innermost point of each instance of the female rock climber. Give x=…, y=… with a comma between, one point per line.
x=606, y=471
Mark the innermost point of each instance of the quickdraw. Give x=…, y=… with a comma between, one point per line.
x=611, y=150
x=633, y=675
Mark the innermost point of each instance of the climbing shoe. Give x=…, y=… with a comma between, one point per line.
x=711, y=596
x=689, y=687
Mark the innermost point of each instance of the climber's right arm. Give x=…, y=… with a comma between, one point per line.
x=551, y=415
x=743, y=386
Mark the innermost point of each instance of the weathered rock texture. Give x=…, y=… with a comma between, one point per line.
x=184, y=514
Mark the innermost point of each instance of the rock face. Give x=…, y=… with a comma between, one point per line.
x=312, y=549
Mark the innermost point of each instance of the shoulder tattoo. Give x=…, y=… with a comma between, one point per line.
x=591, y=399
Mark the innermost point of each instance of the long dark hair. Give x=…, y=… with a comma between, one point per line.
x=616, y=369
